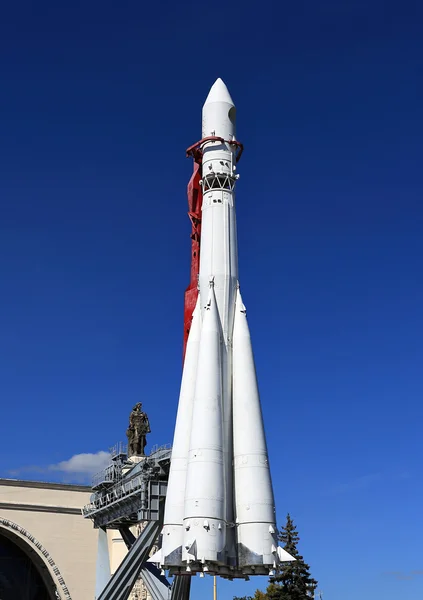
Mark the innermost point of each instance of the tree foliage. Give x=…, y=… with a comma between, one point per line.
x=257, y=596
x=294, y=581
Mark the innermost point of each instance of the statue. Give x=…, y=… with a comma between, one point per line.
x=137, y=431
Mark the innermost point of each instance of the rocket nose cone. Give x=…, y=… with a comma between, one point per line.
x=219, y=93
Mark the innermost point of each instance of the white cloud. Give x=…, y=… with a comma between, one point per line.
x=78, y=469
x=83, y=464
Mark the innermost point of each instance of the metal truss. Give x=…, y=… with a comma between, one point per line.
x=126, y=494
x=120, y=585
x=135, y=565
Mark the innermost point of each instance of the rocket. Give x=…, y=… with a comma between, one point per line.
x=219, y=512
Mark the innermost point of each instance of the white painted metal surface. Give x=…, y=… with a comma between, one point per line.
x=204, y=513
x=254, y=502
x=219, y=254
x=228, y=517
x=173, y=533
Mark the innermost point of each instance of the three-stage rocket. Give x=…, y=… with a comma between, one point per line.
x=219, y=512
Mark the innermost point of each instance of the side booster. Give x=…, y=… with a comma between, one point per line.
x=219, y=513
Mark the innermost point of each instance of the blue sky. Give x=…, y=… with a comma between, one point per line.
x=99, y=101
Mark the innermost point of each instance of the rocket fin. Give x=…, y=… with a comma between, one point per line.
x=192, y=550
x=283, y=555
x=156, y=557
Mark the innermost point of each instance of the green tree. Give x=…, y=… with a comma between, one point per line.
x=257, y=596
x=294, y=581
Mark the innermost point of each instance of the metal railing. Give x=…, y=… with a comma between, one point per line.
x=156, y=448
x=121, y=489
x=119, y=449
x=117, y=492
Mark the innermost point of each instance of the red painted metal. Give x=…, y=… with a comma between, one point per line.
x=195, y=202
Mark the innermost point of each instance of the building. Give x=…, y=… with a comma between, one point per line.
x=48, y=551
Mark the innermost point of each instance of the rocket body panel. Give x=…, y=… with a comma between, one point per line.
x=254, y=501
x=204, y=511
x=173, y=533
x=221, y=514
x=228, y=451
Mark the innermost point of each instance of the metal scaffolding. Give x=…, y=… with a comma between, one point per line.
x=127, y=492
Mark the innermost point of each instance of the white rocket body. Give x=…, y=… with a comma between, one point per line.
x=219, y=513
x=204, y=511
x=175, y=498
